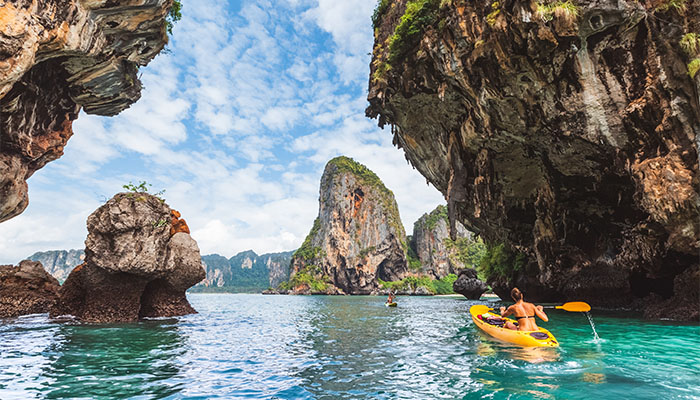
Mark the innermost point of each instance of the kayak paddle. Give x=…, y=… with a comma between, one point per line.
x=573, y=306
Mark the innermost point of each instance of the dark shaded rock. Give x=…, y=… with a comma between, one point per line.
x=275, y=291
x=92, y=294
x=57, y=57
x=685, y=302
x=133, y=267
x=469, y=285
x=357, y=238
x=26, y=289
x=573, y=141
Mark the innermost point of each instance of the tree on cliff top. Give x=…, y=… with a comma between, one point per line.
x=174, y=15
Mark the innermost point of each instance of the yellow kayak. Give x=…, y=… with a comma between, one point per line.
x=539, y=338
x=391, y=304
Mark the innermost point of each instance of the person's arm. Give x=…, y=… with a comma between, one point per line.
x=506, y=312
x=540, y=313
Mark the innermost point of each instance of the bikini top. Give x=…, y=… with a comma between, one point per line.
x=527, y=316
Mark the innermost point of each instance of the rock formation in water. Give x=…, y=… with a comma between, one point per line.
x=357, y=238
x=246, y=271
x=134, y=267
x=469, y=285
x=59, y=263
x=431, y=242
x=26, y=289
x=567, y=131
x=56, y=58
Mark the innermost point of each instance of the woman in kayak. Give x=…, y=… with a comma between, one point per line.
x=390, y=299
x=524, y=312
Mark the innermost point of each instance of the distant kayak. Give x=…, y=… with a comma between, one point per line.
x=492, y=323
x=391, y=304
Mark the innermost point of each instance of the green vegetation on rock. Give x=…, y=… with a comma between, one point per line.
x=690, y=43
x=500, y=262
x=694, y=67
x=382, y=6
x=143, y=187
x=439, y=213
x=366, y=251
x=491, y=18
x=677, y=5
x=468, y=251
x=307, y=251
x=564, y=9
x=411, y=283
x=418, y=16
x=310, y=275
x=412, y=257
x=174, y=15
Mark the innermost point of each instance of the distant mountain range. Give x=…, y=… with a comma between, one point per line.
x=244, y=272
x=59, y=263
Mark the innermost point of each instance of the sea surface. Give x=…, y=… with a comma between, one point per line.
x=323, y=347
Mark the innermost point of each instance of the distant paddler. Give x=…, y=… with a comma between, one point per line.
x=390, y=301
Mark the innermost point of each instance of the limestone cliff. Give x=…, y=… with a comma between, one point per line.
x=357, y=238
x=139, y=261
x=56, y=58
x=431, y=243
x=59, y=263
x=567, y=131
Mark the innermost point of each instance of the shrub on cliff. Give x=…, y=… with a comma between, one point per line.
x=418, y=16
x=470, y=252
x=174, y=15
x=500, y=262
x=311, y=276
x=307, y=251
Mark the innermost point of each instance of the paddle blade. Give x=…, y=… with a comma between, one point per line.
x=575, y=306
x=479, y=309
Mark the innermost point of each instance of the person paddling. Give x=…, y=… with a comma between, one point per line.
x=524, y=312
x=390, y=299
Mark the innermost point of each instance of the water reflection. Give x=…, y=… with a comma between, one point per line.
x=113, y=361
x=350, y=342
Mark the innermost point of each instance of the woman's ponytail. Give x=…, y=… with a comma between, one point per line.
x=516, y=294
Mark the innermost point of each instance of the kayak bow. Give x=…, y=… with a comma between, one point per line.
x=539, y=338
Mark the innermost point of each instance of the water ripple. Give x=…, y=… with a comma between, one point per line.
x=286, y=347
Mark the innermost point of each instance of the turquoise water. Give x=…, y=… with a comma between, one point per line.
x=319, y=347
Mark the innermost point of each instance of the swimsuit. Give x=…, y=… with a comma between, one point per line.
x=527, y=316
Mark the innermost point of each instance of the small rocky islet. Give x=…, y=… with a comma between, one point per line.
x=139, y=261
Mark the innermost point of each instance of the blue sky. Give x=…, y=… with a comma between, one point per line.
x=236, y=123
